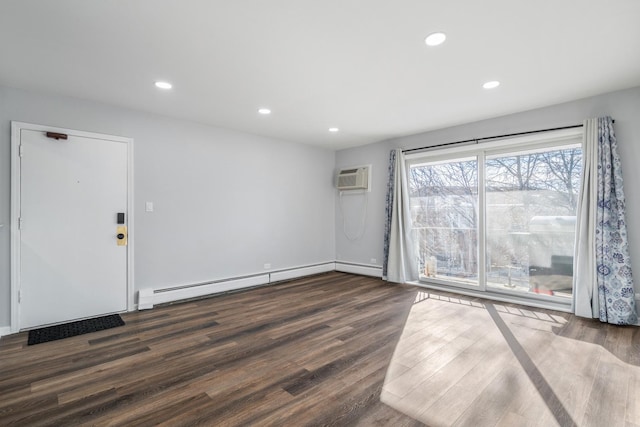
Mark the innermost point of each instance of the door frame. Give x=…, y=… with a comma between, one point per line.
x=16, y=130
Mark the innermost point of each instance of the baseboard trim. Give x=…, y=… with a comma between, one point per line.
x=5, y=330
x=362, y=269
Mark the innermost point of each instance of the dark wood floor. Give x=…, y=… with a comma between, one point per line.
x=333, y=349
x=308, y=352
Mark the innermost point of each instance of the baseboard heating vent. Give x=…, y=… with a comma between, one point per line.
x=294, y=273
x=362, y=269
x=147, y=299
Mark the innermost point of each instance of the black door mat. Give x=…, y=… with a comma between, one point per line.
x=58, y=332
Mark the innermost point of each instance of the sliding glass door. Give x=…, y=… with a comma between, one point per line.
x=444, y=206
x=498, y=217
x=531, y=200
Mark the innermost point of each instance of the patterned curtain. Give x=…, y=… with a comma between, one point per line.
x=614, y=278
x=603, y=283
x=387, y=212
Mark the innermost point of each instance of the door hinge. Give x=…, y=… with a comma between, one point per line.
x=19, y=297
x=20, y=223
x=20, y=150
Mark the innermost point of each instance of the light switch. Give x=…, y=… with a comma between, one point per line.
x=148, y=206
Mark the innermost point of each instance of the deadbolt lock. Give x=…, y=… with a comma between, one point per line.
x=121, y=236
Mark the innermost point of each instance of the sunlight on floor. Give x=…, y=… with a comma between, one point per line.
x=462, y=362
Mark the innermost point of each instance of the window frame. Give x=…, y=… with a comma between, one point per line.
x=542, y=141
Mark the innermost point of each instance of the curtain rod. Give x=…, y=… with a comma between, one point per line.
x=486, y=138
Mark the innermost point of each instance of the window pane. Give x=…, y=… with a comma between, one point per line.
x=444, y=200
x=531, y=206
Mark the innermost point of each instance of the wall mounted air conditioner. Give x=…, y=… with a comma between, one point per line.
x=356, y=178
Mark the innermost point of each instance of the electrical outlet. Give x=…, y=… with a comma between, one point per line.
x=148, y=206
x=267, y=266
x=373, y=260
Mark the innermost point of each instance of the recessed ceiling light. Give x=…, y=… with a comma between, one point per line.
x=492, y=84
x=334, y=130
x=264, y=111
x=164, y=85
x=434, y=39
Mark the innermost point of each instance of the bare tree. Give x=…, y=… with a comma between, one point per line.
x=519, y=171
x=563, y=169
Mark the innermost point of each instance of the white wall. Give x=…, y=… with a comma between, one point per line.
x=623, y=106
x=225, y=202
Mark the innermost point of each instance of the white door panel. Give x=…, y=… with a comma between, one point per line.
x=71, y=191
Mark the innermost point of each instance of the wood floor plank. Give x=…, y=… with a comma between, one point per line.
x=453, y=399
x=333, y=349
x=608, y=398
x=632, y=415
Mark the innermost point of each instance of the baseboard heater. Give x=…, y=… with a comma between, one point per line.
x=147, y=298
x=361, y=269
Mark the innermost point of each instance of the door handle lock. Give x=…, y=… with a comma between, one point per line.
x=121, y=235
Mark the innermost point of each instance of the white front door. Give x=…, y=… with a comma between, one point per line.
x=71, y=192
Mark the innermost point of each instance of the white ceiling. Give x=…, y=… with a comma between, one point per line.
x=359, y=65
